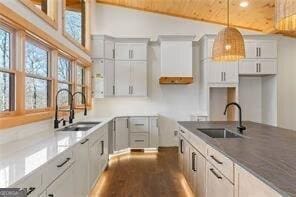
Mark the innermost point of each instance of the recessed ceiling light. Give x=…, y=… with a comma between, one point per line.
x=244, y=4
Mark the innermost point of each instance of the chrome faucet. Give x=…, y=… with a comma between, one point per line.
x=56, y=121
x=240, y=127
x=84, y=101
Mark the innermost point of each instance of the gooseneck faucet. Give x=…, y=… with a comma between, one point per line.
x=56, y=121
x=240, y=127
x=84, y=101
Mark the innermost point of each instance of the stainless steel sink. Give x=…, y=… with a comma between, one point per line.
x=219, y=133
x=80, y=126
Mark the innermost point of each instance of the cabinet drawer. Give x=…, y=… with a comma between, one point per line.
x=221, y=162
x=139, y=124
x=138, y=140
x=57, y=166
x=32, y=184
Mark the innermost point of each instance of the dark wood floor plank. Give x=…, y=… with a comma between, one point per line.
x=141, y=174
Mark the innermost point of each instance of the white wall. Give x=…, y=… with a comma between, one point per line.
x=287, y=83
x=22, y=10
x=172, y=102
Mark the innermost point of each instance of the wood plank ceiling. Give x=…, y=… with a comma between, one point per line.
x=259, y=15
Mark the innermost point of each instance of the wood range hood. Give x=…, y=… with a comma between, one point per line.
x=176, y=59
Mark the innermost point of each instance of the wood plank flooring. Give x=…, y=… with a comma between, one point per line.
x=141, y=174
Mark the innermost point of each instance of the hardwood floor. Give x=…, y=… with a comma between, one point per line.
x=141, y=174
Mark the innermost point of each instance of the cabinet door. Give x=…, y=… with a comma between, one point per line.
x=216, y=184
x=122, y=51
x=138, y=124
x=109, y=78
x=63, y=185
x=246, y=185
x=267, y=66
x=215, y=72
x=138, y=51
x=139, y=78
x=251, y=49
x=109, y=49
x=121, y=133
x=198, y=172
x=122, y=78
x=248, y=66
x=231, y=72
x=154, y=133
x=81, y=166
x=97, y=46
x=267, y=49
x=186, y=163
x=94, y=168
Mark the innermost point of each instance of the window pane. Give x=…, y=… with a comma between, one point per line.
x=63, y=99
x=36, y=93
x=64, y=67
x=78, y=97
x=36, y=60
x=4, y=49
x=80, y=75
x=6, y=92
x=73, y=24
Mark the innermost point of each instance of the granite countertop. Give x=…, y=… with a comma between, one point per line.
x=268, y=152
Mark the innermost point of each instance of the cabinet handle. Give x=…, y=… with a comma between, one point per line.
x=113, y=53
x=50, y=195
x=259, y=52
x=132, y=89
x=102, y=146
x=139, y=124
x=127, y=123
x=139, y=140
x=256, y=67
x=193, y=167
x=224, y=76
x=259, y=67
x=215, y=173
x=132, y=54
x=221, y=76
x=84, y=141
x=62, y=164
x=30, y=190
x=216, y=160
x=113, y=89
x=181, y=146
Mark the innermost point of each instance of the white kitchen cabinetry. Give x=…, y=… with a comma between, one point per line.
x=94, y=165
x=139, y=124
x=246, y=185
x=216, y=184
x=258, y=67
x=102, y=47
x=260, y=48
x=131, y=78
x=103, y=150
x=222, y=72
x=33, y=184
x=64, y=185
x=109, y=80
x=121, y=133
x=81, y=168
x=130, y=51
x=154, y=132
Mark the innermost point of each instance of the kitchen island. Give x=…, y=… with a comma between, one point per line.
x=266, y=152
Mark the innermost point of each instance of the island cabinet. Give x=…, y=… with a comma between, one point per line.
x=247, y=185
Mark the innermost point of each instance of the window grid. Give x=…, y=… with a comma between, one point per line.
x=64, y=79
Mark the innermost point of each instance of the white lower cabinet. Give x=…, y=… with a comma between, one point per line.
x=121, y=133
x=216, y=184
x=81, y=166
x=64, y=185
x=94, y=164
x=154, y=132
x=247, y=185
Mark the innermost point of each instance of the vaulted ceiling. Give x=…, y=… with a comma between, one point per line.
x=259, y=15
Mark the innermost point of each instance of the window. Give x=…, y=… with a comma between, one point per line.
x=64, y=80
x=74, y=20
x=80, y=84
x=37, y=83
x=41, y=4
x=6, y=72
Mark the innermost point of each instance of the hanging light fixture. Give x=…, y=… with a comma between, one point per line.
x=285, y=15
x=229, y=43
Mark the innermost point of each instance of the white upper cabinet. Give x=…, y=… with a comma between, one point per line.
x=109, y=49
x=218, y=72
x=138, y=78
x=267, y=49
x=130, y=51
x=251, y=49
x=257, y=66
x=102, y=47
x=122, y=78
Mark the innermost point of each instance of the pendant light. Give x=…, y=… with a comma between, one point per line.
x=285, y=15
x=229, y=44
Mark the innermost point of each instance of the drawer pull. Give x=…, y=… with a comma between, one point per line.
x=84, y=141
x=139, y=140
x=62, y=164
x=216, y=160
x=215, y=173
x=50, y=195
x=139, y=124
x=30, y=190
x=193, y=167
x=102, y=147
x=181, y=146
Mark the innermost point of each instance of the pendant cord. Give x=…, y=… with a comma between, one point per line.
x=227, y=13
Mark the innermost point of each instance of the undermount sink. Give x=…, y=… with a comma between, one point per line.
x=219, y=133
x=80, y=126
